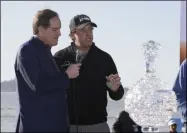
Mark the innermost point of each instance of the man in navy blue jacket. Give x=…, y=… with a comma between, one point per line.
x=41, y=86
x=180, y=89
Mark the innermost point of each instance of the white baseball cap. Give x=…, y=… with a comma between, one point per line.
x=171, y=122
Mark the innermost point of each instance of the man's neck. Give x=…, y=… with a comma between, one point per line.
x=42, y=39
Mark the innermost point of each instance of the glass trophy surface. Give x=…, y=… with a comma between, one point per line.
x=150, y=103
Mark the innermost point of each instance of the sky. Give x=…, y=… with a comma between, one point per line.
x=123, y=26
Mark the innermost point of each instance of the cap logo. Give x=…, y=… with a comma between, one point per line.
x=84, y=18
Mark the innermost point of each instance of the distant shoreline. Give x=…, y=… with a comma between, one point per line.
x=8, y=91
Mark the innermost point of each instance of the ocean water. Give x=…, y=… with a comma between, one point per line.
x=9, y=104
x=9, y=111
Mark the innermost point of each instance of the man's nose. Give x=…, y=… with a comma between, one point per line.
x=58, y=33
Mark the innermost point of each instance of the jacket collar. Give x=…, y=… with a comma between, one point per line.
x=89, y=54
x=74, y=48
x=40, y=42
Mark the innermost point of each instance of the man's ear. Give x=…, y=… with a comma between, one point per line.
x=72, y=36
x=41, y=30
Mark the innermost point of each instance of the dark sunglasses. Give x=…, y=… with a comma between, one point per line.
x=174, y=125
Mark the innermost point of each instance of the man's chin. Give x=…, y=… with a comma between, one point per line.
x=88, y=45
x=54, y=44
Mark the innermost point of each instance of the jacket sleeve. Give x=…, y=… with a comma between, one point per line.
x=28, y=65
x=113, y=70
x=180, y=89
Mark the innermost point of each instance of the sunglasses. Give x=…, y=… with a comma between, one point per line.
x=174, y=125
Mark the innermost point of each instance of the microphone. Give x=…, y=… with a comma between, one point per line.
x=79, y=58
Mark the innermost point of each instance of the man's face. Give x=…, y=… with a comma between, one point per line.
x=173, y=128
x=84, y=36
x=52, y=33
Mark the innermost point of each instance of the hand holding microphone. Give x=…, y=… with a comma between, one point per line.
x=73, y=69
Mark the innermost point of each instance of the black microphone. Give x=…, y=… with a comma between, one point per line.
x=77, y=60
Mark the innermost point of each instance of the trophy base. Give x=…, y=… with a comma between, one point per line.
x=149, y=129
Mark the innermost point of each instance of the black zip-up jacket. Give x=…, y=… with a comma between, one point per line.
x=89, y=88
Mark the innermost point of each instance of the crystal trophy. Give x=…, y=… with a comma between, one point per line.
x=150, y=103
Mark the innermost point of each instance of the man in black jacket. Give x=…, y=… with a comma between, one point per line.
x=87, y=94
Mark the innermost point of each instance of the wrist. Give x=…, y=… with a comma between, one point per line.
x=109, y=85
x=66, y=73
x=112, y=87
